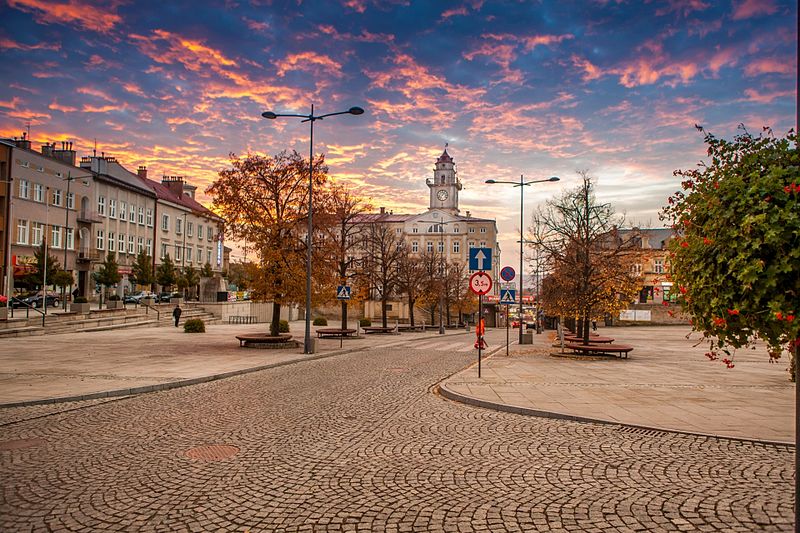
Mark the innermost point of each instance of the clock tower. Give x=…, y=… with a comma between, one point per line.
x=444, y=186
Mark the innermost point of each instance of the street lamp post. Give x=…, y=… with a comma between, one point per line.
x=521, y=184
x=69, y=179
x=310, y=118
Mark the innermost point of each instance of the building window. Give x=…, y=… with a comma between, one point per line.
x=139, y=244
x=455, y=229
x=24, y=189
x=112, y=208
x=122, y=210
x=415, y=246
x=149, y=218
x=208, y=256
x=178, y=252
x=471, y=230
x=165, y=222
x=121, y=243
x=37, y=230
x=22, y=232
x=210, y=233
x=178, y=225
x=131, y=213
x=101, y=205
x=141, y=216
x=636, y=269
x=483, y=230
x=189, y=254
x=149, y=248
x=70, y=239
x=190, y=229
x=456, y=247
x=71, y=200
x=658, y=266
x=430, y=246
x=163, y=250
x=415, y=230
x=471, y=244
x=200, y=231
x=38, y=192
x=57, y=197
x=440, y=247
x=101, y=237
x=398, y=230
x=111, y=241
x=55, y=237
x=131, y=245
x=483, y=244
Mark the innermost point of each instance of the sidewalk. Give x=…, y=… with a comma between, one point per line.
x=667, y=383
x=58, y=367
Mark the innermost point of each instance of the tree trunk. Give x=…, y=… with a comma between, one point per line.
x=274, y=326
x=433, y=314
x=383, y=311
x=344, y=314
x=411, y=311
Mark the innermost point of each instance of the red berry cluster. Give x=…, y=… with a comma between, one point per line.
x=728, y=362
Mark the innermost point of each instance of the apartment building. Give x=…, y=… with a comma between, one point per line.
x=651, y=248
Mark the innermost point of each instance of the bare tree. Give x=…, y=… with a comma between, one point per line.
x=410, y=279
x=384, y=249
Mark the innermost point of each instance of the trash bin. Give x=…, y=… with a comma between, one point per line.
x=222, y=296
x=527, y=337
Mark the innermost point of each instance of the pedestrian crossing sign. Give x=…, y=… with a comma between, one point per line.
x=508, y=296
x=343, y=292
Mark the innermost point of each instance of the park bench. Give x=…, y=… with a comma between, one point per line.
x=378, y=329
x=334, y=332
x=240, y=319
x=409, y=327
x=602, y=349
x=593, y=339
x=247, y=340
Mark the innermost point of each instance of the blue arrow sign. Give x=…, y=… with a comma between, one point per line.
x=480, y=258
x=343, y=292
x=508, y=296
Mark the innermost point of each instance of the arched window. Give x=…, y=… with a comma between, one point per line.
x=436, y=228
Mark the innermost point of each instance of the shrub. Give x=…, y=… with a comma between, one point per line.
x=194, y=325
x=320, y=321
x=283, y=326
x=3, y=300
x=80, y=300
x=113, y=298
x=365, y=322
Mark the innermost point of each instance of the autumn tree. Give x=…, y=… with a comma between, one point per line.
x=241, y=275
x=410, y=280
x=191, y=278
x=43, y=262
x=165, y=273
x=591, y=263
x=736, y=264
x=142, y=270
x=383, y=248
x=341, y=225
x=207, y=271
x=264, y=200
x=431, y=265
x=108, y=274
x=460, y=295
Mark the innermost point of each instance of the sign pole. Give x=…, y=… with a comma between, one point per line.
x=480, y=343
x=507, y=317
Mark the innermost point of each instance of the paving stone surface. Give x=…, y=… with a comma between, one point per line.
x=359, y=442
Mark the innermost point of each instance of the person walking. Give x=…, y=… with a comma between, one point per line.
x=176, y=314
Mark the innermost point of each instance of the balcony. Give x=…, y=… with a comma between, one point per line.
x=86, y=216
x=88, y=256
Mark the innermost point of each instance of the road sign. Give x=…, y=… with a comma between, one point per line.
x=480, y=283
x=343, y=292
x=508, y=296
x=480, y=258
x=508, y=273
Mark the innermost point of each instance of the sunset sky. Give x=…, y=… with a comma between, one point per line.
x=544, y=88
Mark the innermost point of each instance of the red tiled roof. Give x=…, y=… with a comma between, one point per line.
x=164, y=193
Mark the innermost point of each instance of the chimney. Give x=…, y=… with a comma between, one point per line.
x=24, y=142
x=468, y=215
x=174, y=184
x=142, y=172
x=383, y=210
x=66, y=154
x=47, y=150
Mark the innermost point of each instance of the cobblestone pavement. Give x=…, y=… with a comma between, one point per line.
x=358, y=442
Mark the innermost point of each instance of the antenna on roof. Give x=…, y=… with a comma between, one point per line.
x=94, y=152
x=28, y=125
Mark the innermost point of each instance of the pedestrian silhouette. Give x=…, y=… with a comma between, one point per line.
x=176, y=314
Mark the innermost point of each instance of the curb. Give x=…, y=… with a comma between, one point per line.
x=442, y=389
x=193, y=381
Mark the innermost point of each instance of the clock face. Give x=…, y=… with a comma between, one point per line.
x=442, y=195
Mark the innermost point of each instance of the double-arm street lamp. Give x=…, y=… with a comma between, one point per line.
x=310, y=118
x=521, y=184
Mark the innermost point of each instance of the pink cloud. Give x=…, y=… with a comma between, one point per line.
x=768, y=66
x=764, y=96
x=101, y=17
x=311, y=62
x=55, y=106
x=455, y=11
x=752, y=8
x=683, y=7
x=8, y=44
x=92, y=91
x=256, y=25
x=590, y=71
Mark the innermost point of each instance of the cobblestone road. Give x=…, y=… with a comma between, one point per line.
x=358, y=442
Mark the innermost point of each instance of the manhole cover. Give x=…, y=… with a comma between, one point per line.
x=20, y=444
x=212, y=452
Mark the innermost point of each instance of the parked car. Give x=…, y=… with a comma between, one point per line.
x=36, y=300
x=165, y=297
x=136, y=298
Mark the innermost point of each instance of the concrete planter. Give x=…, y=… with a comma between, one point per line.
x=114, y=304
x=79, y=308
x=3, y=313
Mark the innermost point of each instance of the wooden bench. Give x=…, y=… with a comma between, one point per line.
x=409, y=327
x=378, y=329
x=603, y=349
x=245, y=340
x=334, y=332
x=596, y=339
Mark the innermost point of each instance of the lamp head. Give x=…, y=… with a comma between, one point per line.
x=490, y=181
x=554, y=178
x=269, y=115
x=355, y=111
